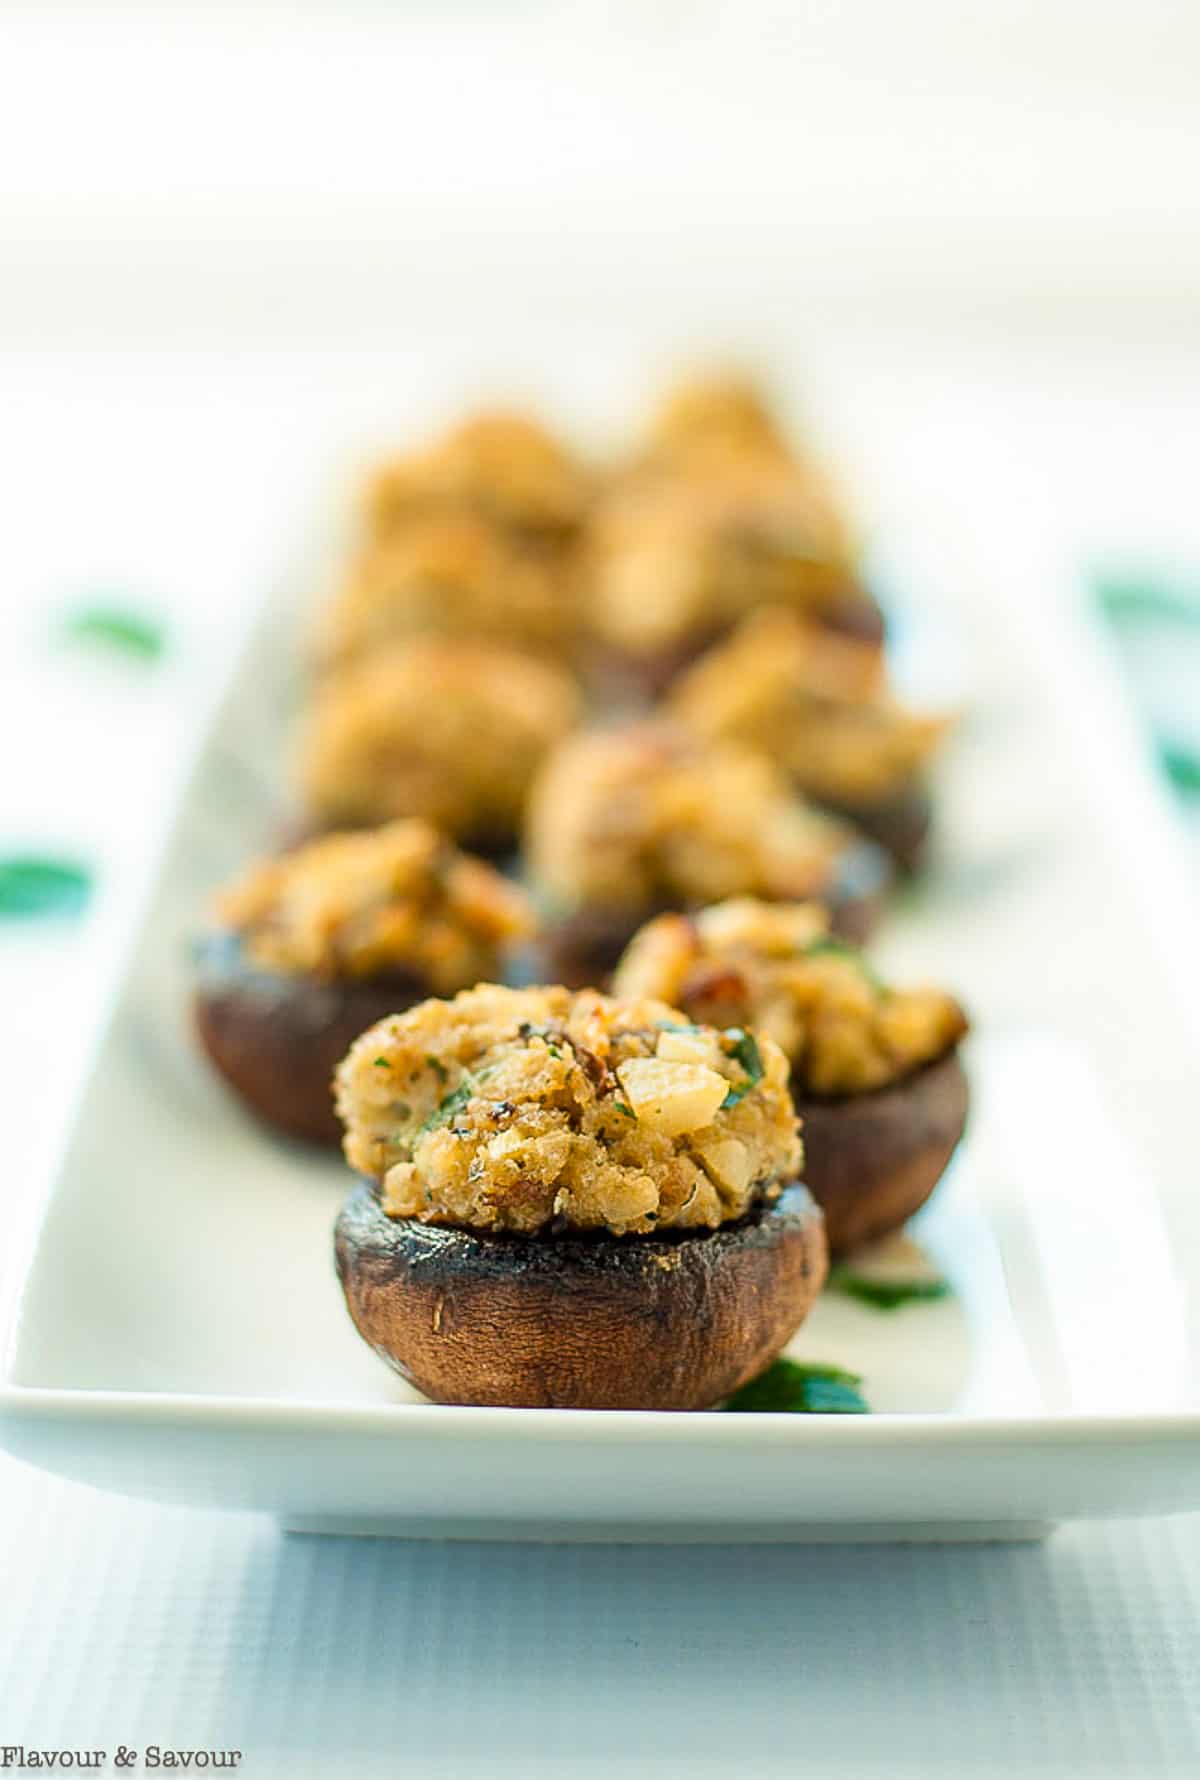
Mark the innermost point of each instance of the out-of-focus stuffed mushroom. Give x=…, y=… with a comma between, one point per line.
x=673, y=559
x=446, y=729
x=626, y=822
x=448, y=574
x=722, y=411
x=819, y=704
x=503, y=465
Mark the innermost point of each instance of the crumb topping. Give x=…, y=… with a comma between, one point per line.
x=815, y=701
x=647, y=814
x=444, y=729
x=504, y=465
x=693, y=547
x=392, y=900
x=719, y=410
x=522, y=1109
x=449, y=573
x=776, y=968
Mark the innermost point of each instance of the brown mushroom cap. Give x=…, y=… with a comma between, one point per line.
x=872, y=1160
x=277, y=1038
x=899, y=823
x=580, y=1322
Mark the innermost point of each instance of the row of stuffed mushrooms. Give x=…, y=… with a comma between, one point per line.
x=604, y=786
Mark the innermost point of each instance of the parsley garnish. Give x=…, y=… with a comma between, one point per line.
x=456, y=1099
x=887, y=1294
x=622, y=1108
x=32, y=886
x=112, y=627
x=792, y=1388
x=438, y=1067
x=743, y=1050
x=381, y=1063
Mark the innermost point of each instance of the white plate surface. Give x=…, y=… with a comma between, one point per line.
x=179, y=1333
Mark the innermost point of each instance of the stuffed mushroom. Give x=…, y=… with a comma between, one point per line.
x=452, y=574
x=502, y=465
x=876, y=1075
x=819, y=704
x=715, y=517
x=308, y=949
x=568, y=1201
x=446, y=729
x=626, y=822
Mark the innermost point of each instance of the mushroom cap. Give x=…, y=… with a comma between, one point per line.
x=872, y=1160
x=643, y=1322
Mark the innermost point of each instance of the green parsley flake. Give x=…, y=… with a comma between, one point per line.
x=31, y=886
x=744, y=1050
x=791, y=1387
x=117, y=628
x=887, y=1294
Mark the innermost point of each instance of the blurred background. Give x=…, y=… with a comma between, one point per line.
x=244, y=246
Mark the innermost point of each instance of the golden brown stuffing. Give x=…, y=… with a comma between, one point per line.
x=445, y=729
x=774, y=967
x=515, y=1109
x=815, y=701
x=503, y=465
x=386, y=901
x=687, y=552
x=450, y=573
x=723, y=410
x=647, y=814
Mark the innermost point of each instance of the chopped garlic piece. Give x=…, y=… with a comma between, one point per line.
x=672, y=1097
x=687, y=1047
x=726, y=1161
x=399, y=1190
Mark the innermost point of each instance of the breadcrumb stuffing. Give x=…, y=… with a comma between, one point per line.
x=504, y=465
x=450, y=574
x=649, y=814
x=715, y=410
x=815, y=701
x=693, y=546
x=448, y=730
x=774, y=967
x=389, y=900
x=525, y=1109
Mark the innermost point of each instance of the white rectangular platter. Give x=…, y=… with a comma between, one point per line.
x=178, y=1332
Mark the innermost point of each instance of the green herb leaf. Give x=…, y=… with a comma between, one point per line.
x=438, y=1067
x=1181, y=766
x=113, y=627
x=792, y=1388
x=381, y=1063
x=456, y=1099
x=887, y=1294
x=743, y=1050
x=31, y=886
x=1145, y=599
x=453, y=1103
x=622, y=1108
